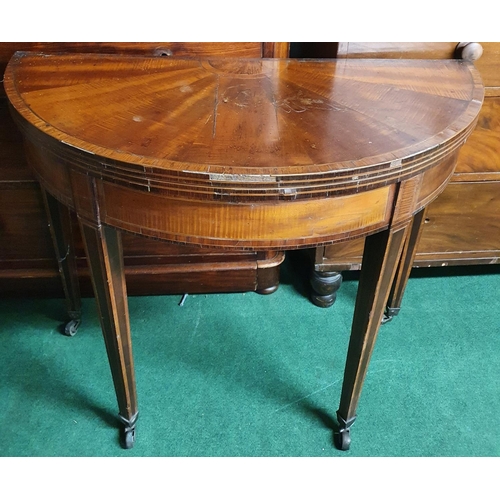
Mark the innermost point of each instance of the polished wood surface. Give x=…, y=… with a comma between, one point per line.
x=488, y=66
x=240, y=132
x=397, y=50
x=461, y=226
x=469, y=51
x=28, y=265
x=235, y=153
x=157, y=49
x=479, y=159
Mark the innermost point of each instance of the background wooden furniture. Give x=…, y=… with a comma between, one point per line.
x=27, y=261
x=462, y=226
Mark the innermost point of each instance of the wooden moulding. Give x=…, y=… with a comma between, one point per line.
x=245, y=225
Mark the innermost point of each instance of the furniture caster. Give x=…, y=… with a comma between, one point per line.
x=389, y=313
x=343, y=439
x=386, y=318
x=127, y=438
x=72, y=327
x=127, y=431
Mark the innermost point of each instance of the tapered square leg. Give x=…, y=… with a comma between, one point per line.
x=380, y=260
x=60, y=228
x=105, y=255
x=405, y=267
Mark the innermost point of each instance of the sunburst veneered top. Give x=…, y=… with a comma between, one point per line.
x=310, y=126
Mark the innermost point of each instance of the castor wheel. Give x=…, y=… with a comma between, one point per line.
x=386, y=319
x=71, y=327
x=127, y=431
x=389, y=313
x=127, y=438
x=343, y=440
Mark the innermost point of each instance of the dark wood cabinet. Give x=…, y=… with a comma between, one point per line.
x=27, y=260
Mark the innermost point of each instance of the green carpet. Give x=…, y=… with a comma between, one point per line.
x=250, y=375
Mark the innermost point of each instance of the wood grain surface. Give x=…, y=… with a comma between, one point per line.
x=215, y=122
x=240, y=131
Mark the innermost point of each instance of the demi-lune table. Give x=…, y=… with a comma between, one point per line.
x=256, y=154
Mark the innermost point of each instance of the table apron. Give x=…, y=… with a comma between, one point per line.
x=246, y=225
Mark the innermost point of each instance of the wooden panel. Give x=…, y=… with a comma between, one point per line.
x=140, y=252
x=264, y=225
x=407, y=197
x=344, y=255
x=489, y=64
x=276, y=49
x=463, y=220
x=434, y=181
x=13, y=165
x=462, y=227
x=24, y=234
x=479, y=158
x=397, y=50
x=137, y=248
x=51, y=168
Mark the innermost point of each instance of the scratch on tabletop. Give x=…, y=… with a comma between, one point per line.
x=275, y=105
x=216, y=104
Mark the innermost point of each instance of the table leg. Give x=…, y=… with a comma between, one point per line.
x=60, y=228
x=380, y=259
x=405, y=267
x=104, y=253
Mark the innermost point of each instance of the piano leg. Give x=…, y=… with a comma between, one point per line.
x=380, y=260
x=105, y=256
x=60, y=228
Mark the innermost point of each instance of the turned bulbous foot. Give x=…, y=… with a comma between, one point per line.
x=325, y=285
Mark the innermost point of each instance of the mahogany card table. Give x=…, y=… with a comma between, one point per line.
x=268, y=154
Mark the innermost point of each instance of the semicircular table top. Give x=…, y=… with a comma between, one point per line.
x=261, y=128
